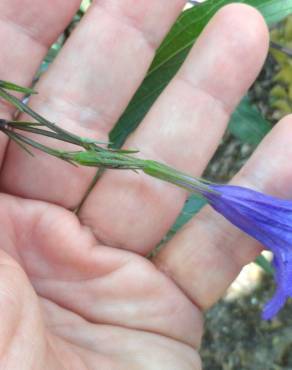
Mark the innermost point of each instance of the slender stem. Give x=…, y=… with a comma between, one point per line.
x=61, y=154
x=68, y=136
x=94, y=181
x=178, y=178
x=107, y=159
x=281, y=48
x=11, y=136
x=11, y=86
x=38, y=131
x=92, y=155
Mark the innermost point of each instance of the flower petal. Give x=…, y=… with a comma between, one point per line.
x=268, y=220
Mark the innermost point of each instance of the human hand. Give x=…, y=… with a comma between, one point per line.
x=78, y=293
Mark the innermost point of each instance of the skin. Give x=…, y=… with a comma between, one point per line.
x=78, y=293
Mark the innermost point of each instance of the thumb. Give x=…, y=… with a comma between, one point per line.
x=22, y=333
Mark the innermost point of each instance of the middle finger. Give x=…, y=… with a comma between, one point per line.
x=87, y=88
x=182, y=129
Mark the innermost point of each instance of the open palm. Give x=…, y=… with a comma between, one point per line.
x=79, y=293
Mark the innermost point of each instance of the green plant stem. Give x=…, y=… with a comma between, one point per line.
x=64, y=134
x=281, y=48
x=21, y=140
x=92, y=155
x=173, y=176
x=94, y=181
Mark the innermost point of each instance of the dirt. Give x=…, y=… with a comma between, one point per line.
x=237, y=338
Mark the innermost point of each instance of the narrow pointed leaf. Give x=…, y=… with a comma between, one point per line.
x=264, y=264
x=173, y=52
x=248, y=124
x=11, y=86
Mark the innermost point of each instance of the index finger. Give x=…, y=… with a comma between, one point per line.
x=27, y=29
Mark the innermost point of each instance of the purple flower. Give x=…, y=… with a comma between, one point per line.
x=265, y=218
x=268, y=220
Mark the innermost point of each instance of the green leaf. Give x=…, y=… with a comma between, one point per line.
x=264, y=264
x=50, y=57
x=173, y=52
x=247, y=123
x=11, y=86
x=192, y=206
x=85, y=5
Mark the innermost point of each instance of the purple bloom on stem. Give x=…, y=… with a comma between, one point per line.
x=268, y=220
x=265, y=218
